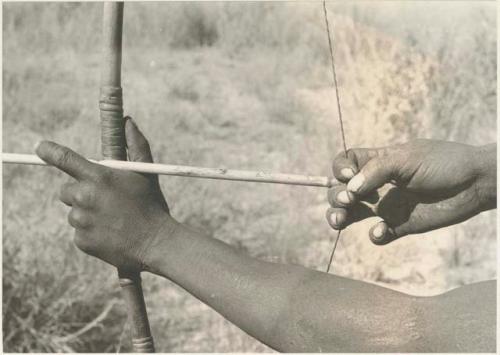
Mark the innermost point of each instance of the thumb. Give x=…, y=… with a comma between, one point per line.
x=381, y=233
x=374, y=174
x=138, y=146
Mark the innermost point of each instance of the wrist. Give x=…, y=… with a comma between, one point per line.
x=485, y=167
x=157, y=243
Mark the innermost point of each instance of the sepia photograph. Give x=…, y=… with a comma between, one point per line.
x=249, y=177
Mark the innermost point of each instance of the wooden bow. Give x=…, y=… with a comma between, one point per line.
x=114, y=147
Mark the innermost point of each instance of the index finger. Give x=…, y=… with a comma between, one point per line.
x=67, y=160
x=345, y=167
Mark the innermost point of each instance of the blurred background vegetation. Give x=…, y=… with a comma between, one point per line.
x=239, y=85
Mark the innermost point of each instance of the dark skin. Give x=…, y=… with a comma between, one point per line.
x=288, y=307
x=415, y=187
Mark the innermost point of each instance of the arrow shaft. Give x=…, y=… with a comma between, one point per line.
x=190, y=171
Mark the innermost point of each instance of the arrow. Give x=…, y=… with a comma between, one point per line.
x=191, y=171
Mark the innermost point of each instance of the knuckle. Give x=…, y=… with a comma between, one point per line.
x=77, y=219
x=71, y=219
x=85, y=197
x=79, y=197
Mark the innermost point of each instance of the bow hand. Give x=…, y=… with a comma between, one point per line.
x=116, y=214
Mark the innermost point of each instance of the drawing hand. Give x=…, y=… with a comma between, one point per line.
x=414, y=187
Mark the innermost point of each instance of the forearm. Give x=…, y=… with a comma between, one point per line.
x=250, y=293
x=486, y=167
x=289, y=308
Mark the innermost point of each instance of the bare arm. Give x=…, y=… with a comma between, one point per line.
x=294, y=309
x=289, y=308
x=462, y=320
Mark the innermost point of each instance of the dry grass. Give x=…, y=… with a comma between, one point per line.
x=243, y=85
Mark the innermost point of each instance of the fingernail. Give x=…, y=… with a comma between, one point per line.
x=347, y=173
x=334, y=219
x=343, y=197
x=379, y=230
x=356, y=182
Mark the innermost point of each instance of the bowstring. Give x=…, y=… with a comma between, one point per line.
x=339, y=110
